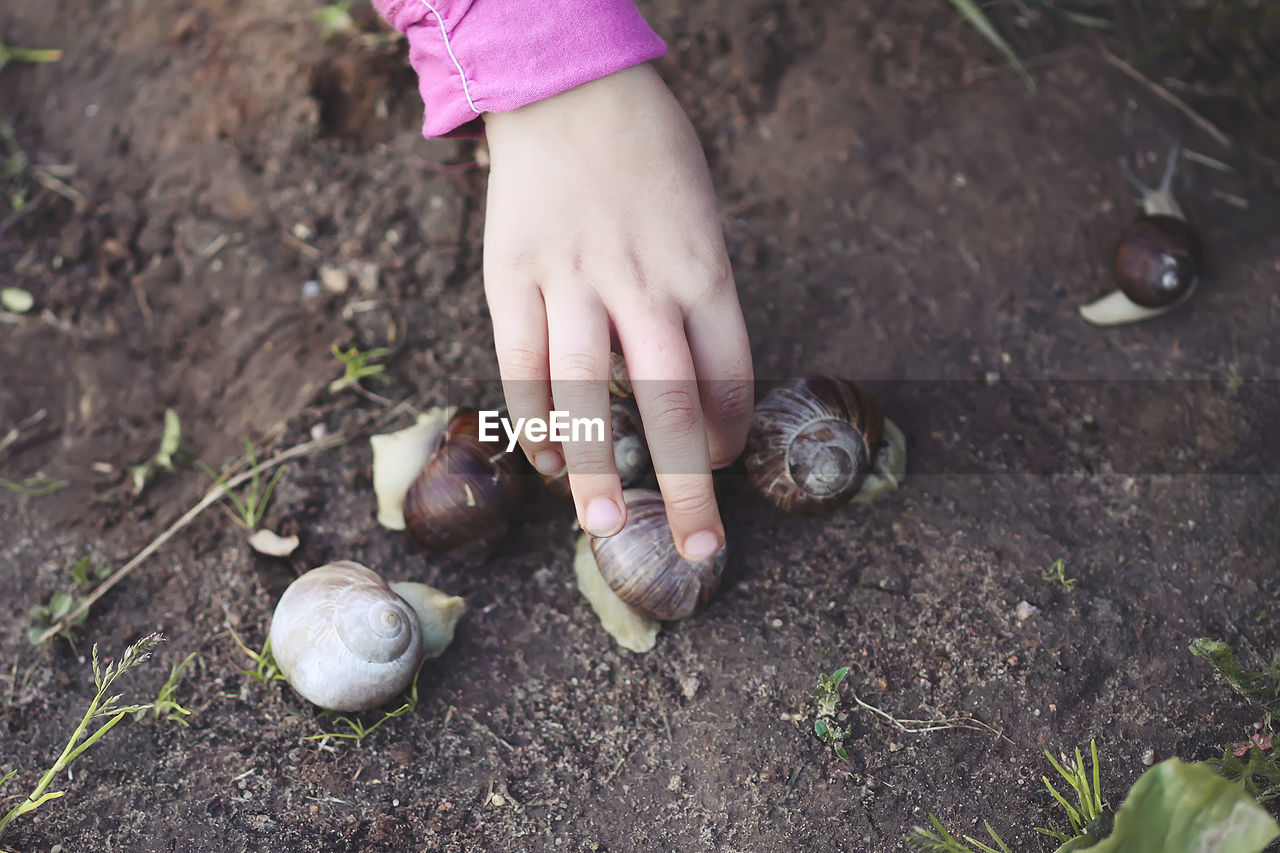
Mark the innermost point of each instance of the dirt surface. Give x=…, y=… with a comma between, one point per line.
x=898, y=208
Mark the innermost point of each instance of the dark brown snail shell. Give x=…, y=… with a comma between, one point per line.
x=812, y=442
x=630, y=451
x=467, y=490
x=1157, y=260
x=640, y=563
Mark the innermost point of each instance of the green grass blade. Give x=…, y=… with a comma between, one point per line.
x=975, y=16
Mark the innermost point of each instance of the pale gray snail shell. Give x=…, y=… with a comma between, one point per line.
x=347, y=640
x=640, y=563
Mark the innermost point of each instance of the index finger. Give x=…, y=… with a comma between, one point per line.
x=666, y=391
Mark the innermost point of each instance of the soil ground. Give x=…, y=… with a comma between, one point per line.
x=898, y=207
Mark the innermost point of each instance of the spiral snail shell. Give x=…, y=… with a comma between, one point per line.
x=817, y=443
x=1157, y=258
x=439, y=480
x=347, y=640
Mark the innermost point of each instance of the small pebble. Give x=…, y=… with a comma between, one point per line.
x=1025, y=611
x=310, y=289
x=497, y=801
x=318, y=431
x=1148, y=756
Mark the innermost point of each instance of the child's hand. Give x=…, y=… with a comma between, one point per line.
x=602, y=221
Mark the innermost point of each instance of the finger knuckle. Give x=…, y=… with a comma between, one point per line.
x=733, y=401
x=691, y=503
x=580, y=366
x=523, y=362
x=712, y=277
x=677, y=412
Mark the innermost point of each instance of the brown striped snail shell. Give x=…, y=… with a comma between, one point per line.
x=1157, y=257
x=817, y=443
x=467, y=490
x=641, y=565
x=630, y=451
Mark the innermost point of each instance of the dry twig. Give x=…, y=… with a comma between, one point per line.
x=1165, y=95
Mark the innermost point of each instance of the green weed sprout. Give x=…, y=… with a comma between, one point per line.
x=170, y=439
x=944, y=842
x=257, y=494
x=1086, y=816
x=26, y=54
x=826, y=696
x=972, y=13
x=1089, y=822
x=357, y=365
x=101, y=707
x=1058, y=572
x=166, y=706
x=265, y=668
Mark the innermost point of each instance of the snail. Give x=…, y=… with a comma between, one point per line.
x=641, y=568
x=1157, y=258
x=347, y=640
x=630, y=451
x=817, y=443
x=442, y=483
x=619, y=378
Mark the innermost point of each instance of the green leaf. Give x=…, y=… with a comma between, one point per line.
x=169, y=440
x=60, y=604
x=821, y=729
x=1187, y=808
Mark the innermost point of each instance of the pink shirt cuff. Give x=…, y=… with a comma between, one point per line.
x=478, y=56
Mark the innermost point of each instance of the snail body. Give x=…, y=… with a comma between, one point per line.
x=818, y=443
x=347, y=640
x=444, y=484
x=1157, y=258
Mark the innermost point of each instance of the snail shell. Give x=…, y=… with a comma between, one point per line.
x=641, y=565
x=347, y=640
x=817, y=443
x=630, y=451
x=442, y=483
x=1157, y=258
x=619, y=378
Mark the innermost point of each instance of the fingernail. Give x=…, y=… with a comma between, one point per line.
x=548, y=462
x=603, y=516
x=701, y=546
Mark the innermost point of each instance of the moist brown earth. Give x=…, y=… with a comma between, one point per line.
x=898, y=208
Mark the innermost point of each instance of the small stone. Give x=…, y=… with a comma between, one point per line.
x=689, y=685
x=1148, y=757
x=310, y=289
x=318, y=431
x=302, y=231
x=1025, y=610
x=366, y=275
x=498, y=801
x=334, y=279
x=991, y=377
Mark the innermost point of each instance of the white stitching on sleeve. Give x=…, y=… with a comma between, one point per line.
x=466, y=90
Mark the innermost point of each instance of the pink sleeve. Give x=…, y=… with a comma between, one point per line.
x=478, y=56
